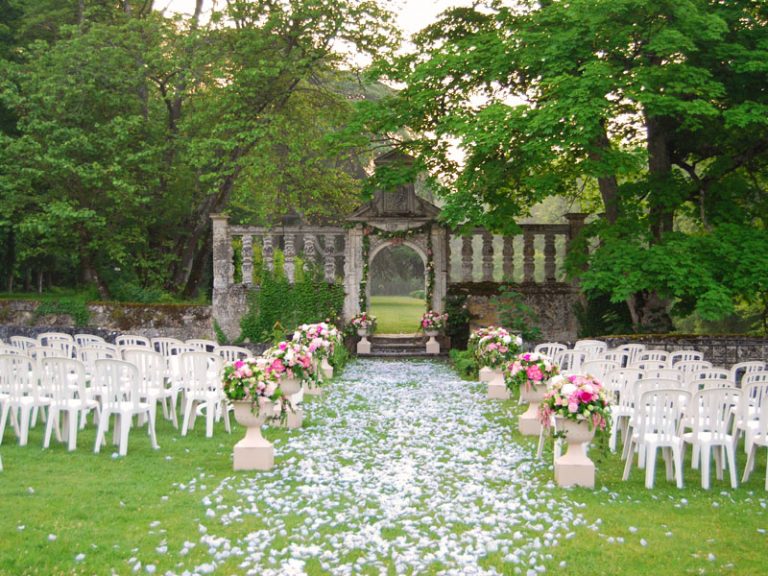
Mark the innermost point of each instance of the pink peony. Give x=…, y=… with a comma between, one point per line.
x=534, y=373
x=277, y=366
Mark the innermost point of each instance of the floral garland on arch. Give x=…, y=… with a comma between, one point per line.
x=369, y=231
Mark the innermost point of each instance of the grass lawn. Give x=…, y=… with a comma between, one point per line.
x=86, y=513
x=397, y=314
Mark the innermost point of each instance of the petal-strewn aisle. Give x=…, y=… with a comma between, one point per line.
x=401, y=468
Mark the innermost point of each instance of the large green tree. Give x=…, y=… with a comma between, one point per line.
x=131, y=127
x=661, y=106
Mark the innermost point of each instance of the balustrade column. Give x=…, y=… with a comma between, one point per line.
x=549, y=257
x=310, y=257
x=247, y=259
x=466, y=258
x=529, y=252
x=330, y=258
x=487, y=257
x=268, y=252
x=508, y=258
x=223, y=270
x=290, y=252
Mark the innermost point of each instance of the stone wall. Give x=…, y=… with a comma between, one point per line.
x=109, y=319
x=724, y=350
x=552, y=303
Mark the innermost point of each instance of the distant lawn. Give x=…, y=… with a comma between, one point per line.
x=397, y=314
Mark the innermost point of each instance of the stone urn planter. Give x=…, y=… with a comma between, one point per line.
x=433, y=346
x=529, y=423
x=497, y=389
x=326, y=370
x=574, y=468
x=293, y=389
x=364, y=345
x=253, y=452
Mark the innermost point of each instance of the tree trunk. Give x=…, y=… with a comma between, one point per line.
x=660, y=171
x=608, y=185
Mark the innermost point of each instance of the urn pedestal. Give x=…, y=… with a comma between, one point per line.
x=253, y=452
x=292, y=388
x=529, y=424
x=433, y=346
x=364, y=346
x=326, y=370
x=574, y=468
x=497, y=389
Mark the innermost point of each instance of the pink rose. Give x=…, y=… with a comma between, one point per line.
x=573, y=407
x=534, y=373
x=277, y=366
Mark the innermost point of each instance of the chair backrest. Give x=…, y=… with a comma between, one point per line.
x=40, y=352
x=9, y=349
x=711, y=410
x=167, y=346
x=151, y=368
x=48, y=338
x=633, y=350
x=713, y=373
x=66, y=346
x=129, y=340
x=200, y=371
x=22, y=342
x=202, y=345
x=664, y=373
x=570, y=360
x=89, y=355
x=18, y=376
x=684, y=356
x=599, y=368
x=648, y=365
x=88, y=340
x=645, y=384
x=232, y=353
x=119, y=381
x=621, y=357
x=688, y=367
x=754, y=377
x=741, y=369
x=754, y=396
x=654, y=355
x=659, y=411
x=594, y=349
x=622, y=383
x=700, y=384
x=62, y=378
x=549, y=348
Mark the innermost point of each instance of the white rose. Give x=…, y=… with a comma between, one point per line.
x=568, y=389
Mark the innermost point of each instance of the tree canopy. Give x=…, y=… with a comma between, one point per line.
x=660, y=106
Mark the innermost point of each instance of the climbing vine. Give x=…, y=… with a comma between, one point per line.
x=369, y=231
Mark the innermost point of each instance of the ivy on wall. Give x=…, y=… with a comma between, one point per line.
x=277, y=307
x=369, y=231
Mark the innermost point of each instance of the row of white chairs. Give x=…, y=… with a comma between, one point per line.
x=134, y=382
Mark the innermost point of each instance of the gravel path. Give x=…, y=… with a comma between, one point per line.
x=401, y=468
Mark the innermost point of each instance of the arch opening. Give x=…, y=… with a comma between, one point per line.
x=397, y=284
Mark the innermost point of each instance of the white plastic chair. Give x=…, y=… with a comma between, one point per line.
x=742, y=369
x=88, y=340
x=202, y=345
x=63, y=380
x=48, y=338
x=658, y=415
x=549, y=348
x=664, y=374
x=201, y=382
x=688, y=367
x=132, y=340
x=40, y=352
x=654, y=355
x=633, y=351
x=22, y=342
x=621, y=357
x=684, y=356
x=152, y=381
x=753, y=397
x=621, y=383
x=570, y=361
x=88, y=356
x=121, y=398
x=759, y=439
x=713, y=373
x=594, y=349
x=166, y=345
x=710, y=417
x=646, y=365
x=18, y=375
x=599, y=368
x=232, y=353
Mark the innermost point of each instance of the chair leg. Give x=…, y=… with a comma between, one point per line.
x=225, y=410
x=630, y=458
x=152, y=435
x=188, y=409
x=4, y=419
x=705, y=458
x=677, y=453
x=750, y=464
x=52, y=419
x=669, y=462
x=125, y=429
x=72, y=423
x=210, y=415
x=650, y=465
x=719, y=462
x=25, y=415
x=101, y=432
x=731, y=455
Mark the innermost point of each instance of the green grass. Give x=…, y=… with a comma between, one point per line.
x=397, y=314
x=105, y=508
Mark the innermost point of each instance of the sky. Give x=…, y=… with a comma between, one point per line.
x=412, y=15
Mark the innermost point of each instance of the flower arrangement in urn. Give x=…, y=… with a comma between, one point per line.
x=432, y=321
x=364, y=321
x=578, y=398
x=530, y=369
x=290, y=360
x=493, y=347
x=320, y=338
x=252, y=379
